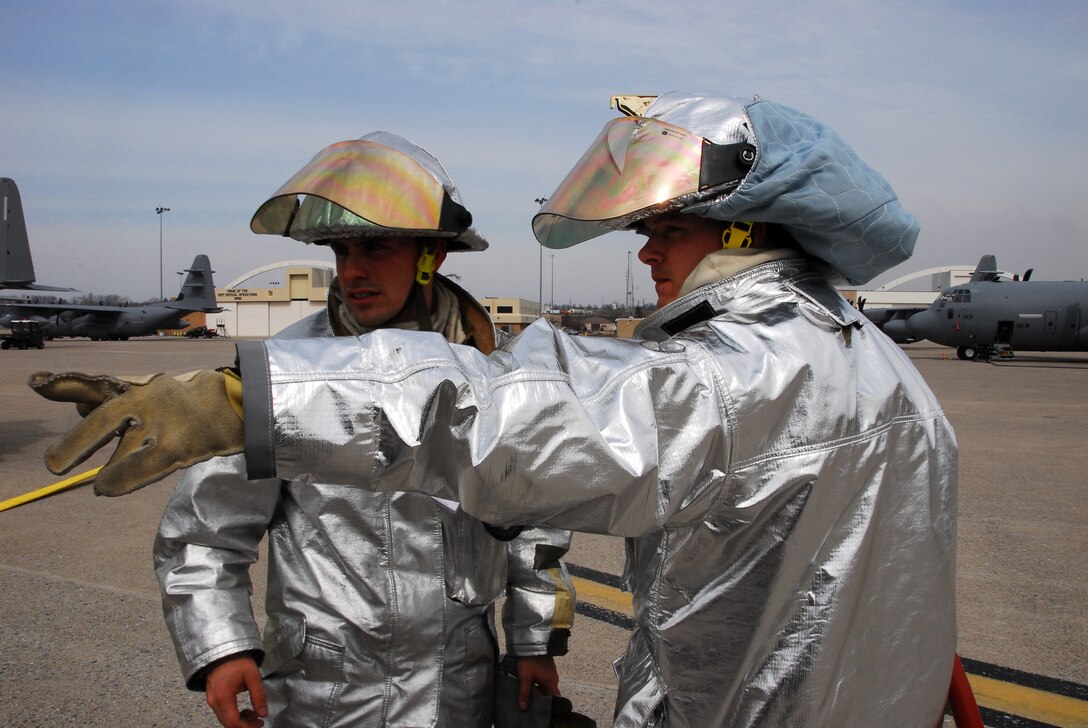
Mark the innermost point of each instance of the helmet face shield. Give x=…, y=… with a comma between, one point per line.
x=636, y=167
x=381, y=185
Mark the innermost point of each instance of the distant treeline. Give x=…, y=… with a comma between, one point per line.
x=87, y=299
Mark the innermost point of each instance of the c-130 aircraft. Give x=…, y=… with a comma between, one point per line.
x=96, y=322
x=992, y=315
x=121, y=322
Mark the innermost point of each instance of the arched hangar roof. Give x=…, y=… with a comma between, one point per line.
x=892, y=285
x=237, y=282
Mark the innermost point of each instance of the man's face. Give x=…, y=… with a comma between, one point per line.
x=376, y=276
x=676, y=243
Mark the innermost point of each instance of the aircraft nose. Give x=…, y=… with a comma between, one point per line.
x=922, y=325
x=896, y=329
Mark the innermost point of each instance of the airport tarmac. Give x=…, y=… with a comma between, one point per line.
x=81, y=633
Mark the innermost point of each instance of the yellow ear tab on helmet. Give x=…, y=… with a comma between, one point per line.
x=737, y=235
x=426, y=265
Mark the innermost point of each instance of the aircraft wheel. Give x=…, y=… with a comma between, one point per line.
x=968, y=353
x=41, y=344
x=124, y=338
x=5, y=345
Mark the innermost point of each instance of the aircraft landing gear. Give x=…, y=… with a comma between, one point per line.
x=981, y=353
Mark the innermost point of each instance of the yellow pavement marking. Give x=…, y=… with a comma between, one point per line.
x=1029, y=702
x=48, y=490
x=1007, y=697
x=602, y=595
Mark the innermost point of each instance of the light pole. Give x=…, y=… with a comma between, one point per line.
x=540, y=293
x=629, y=302
x=159, y=211
x=552, y=304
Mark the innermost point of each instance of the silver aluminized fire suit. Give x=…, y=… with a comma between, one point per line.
x=380, y=606
x=785, y=478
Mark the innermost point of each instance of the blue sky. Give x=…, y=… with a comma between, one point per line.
x=974, y=111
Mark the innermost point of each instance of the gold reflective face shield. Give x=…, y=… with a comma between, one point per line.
x=635, y=165
x=377, y=183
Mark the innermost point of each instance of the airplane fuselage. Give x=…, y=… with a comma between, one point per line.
x=983, y=316
x=138, y=322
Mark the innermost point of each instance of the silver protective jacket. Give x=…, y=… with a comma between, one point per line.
x=380, y=605
x=785, y=478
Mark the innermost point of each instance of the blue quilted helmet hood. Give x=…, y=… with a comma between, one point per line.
x=804, y=177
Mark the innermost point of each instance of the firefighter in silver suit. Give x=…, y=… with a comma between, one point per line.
x=380, y=606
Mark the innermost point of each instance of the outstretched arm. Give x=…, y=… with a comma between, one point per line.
x=617, y=437
x=608, y=436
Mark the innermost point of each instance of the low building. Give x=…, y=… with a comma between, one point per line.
x=625, y=327
x=599, y=326
x=268, y=299
x=511, y=315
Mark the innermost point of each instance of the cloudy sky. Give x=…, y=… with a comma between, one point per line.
x=974, y=111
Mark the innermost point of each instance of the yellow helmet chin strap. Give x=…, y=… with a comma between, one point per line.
x=426, y=264
x=737, y=235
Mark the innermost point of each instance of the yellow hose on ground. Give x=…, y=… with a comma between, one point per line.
x=48, y=490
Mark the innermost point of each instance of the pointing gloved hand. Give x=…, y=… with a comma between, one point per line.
x=165, y=423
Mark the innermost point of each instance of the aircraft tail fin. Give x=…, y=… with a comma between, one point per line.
x=986, y=270
x=198, y=291
x=16, y=266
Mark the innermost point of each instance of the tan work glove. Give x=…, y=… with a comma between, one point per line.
x=165, y=423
